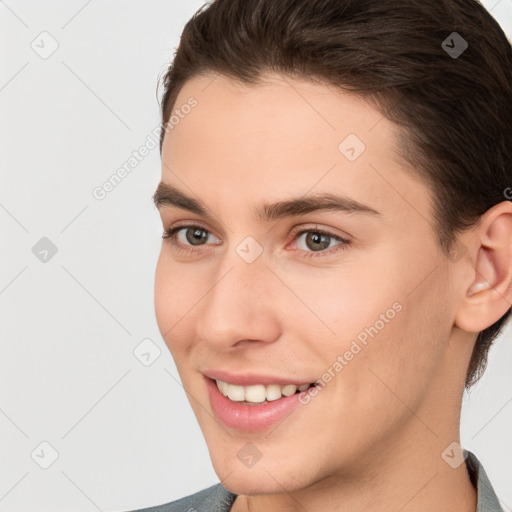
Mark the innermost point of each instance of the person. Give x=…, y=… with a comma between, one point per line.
x=336, y=262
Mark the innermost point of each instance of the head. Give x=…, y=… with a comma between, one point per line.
x=272, y=109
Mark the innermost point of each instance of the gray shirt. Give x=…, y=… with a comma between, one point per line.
x=218, y=499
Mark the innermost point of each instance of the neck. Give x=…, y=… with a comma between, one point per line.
x=407, y=475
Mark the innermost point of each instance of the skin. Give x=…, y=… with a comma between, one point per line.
x=372, y=439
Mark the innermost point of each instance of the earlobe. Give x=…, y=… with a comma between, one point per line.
x=489, y=294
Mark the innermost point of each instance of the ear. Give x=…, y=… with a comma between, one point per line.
x=487, y=293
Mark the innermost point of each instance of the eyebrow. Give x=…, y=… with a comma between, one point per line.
x=168, y=196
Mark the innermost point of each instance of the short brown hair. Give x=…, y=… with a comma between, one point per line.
x=456, y=109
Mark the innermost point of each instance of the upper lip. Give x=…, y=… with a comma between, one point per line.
x=252, y=378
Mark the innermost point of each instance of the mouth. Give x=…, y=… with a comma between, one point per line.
x=257, y=394
x=249, y=408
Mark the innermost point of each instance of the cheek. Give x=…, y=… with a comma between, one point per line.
x=342, y=306
x=400, y=358
x=170, y=296
x=378, y=341
x=161, y=293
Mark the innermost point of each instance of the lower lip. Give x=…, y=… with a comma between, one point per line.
x=251, y=417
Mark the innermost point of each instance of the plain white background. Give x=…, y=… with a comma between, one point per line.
x=122, y=434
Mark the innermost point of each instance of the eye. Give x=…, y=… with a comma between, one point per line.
x=318, y=240
x=195, y=235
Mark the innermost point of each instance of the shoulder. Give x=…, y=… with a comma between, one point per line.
x=487, y=499
x=212, y=499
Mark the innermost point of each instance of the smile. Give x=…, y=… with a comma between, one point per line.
x=250, y=409
x=258, y=393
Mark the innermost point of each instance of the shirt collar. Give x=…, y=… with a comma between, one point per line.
x=487, y=501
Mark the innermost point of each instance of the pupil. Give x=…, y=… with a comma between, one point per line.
x=316, y=239
x=197, y=236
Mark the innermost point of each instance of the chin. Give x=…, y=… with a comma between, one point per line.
x=252, y=485
x=260, y=480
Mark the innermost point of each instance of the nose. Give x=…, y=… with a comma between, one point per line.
x=240, y=307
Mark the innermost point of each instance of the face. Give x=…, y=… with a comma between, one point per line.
x=355, y=297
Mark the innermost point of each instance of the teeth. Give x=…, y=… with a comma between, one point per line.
x=236, y=393
x=257, y=393
x=289, y=389
x=273, y=392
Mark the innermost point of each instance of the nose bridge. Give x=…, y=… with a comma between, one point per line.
x=238, y=305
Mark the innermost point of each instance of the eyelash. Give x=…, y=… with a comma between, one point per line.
x=171, y=234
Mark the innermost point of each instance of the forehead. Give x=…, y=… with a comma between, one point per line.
x=284, y=138
x=286, y=113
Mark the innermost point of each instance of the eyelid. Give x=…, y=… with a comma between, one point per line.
x=294, y=232
x=343, y=244
x=299, y=230
x=173, y=231
x=344, y=241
